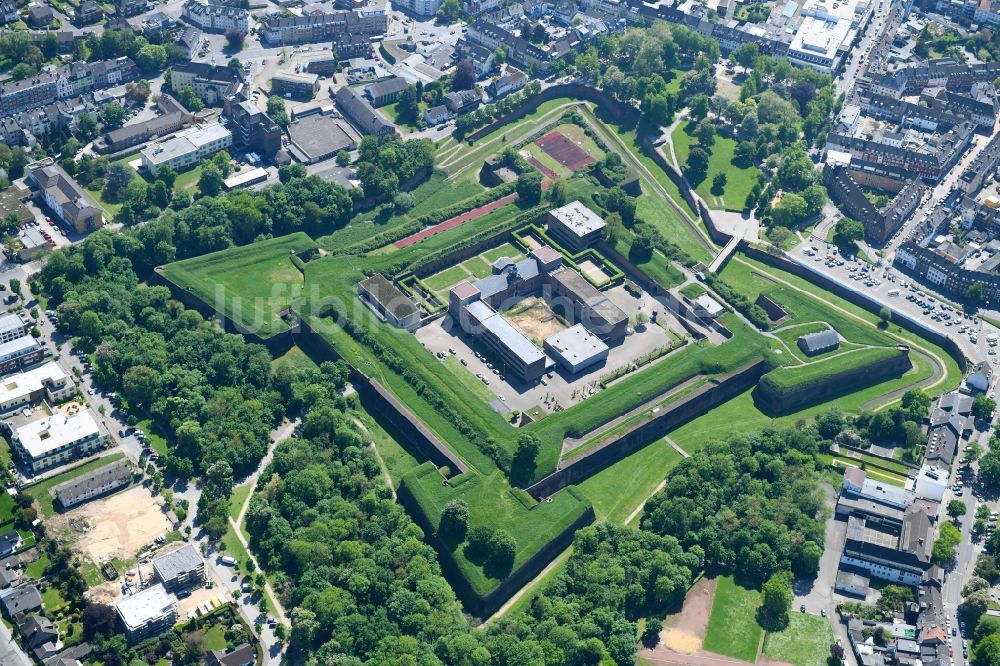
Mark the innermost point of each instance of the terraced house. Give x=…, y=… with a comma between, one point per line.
x=68, y=81
x=215, y=16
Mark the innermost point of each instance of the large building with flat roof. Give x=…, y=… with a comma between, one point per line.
x=12, y=326
x=186, y=148
x=147, y=612
x=475, y=308
x=45, y=438
x=19, y=353
x=576, y=348
x=575, y=226
x=182, y=568
x=47, y=382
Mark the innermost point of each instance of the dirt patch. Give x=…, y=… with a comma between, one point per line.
x=593, y=271
x=563, y=150
x=685, y=631
x=533, y=317
x=118, y=526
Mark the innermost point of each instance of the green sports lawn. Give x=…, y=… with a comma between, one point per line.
x=251, y=284
x=804, y=642
x=732, y=626
x=740, y=179
x=493, y=503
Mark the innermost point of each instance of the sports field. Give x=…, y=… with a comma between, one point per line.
x=732, y=626
x=250, y=284
x=805, y=641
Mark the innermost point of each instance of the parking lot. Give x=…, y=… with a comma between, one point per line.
x=894, y=289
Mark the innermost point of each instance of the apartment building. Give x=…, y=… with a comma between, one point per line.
x=64, y=196
x=252, y=128
x=99, y=482
x=212, y=83
x=321, y=26
x=45, y=437
x=147, y=613
x=67, y=81
x=19, y=353
x=180, y=569
x=299, y=86
x=215, y=16
x=419, y=7
x=12, y=326
x=48, y=382
x=186, y=148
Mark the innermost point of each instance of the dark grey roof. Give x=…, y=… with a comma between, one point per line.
x=506, y=273
x=178, y=563
x=361, y=113
x=22, y=600
x=389, y=296
x=69, y=492
x=391, y=86
x=821, y=341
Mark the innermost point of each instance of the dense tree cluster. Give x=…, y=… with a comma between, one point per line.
x=753, y=505
x=211, y=390
x=387, y=164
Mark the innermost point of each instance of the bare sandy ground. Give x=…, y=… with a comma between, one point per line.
x=118, y=526
x=685, y=631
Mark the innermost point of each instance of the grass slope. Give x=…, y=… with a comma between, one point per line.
x=492, y=503
x=249, y=283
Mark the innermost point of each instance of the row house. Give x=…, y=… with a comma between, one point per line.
x=68, y=81
x=519, y=50
x=931, y=160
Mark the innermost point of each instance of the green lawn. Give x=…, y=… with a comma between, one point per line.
x=492, y=503
x=37, y=568
x=804, y=642
x=505, y=250
x=240, y=493
x=157, y=441
x=446, y=279
x=110, y=209
x=251, y=284
x=732, y=627
x=215, y=637
x=617, y=490
x=52, y=599
x=468, y=380
x=296, y=359
x=431, y=195
x=188, y=180
x=40, y=491
x=91, y=574
x=740, y=179
x=398, y=459
x=693, y=290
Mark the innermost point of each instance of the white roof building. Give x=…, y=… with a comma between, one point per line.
x=706, y=306
x=56, y=438
x=186, y=148
x=47, y=381
x=147, y=612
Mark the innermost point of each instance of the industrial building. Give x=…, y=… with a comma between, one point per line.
x=186, y=148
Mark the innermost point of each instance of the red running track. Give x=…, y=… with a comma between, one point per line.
x=455, y=221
